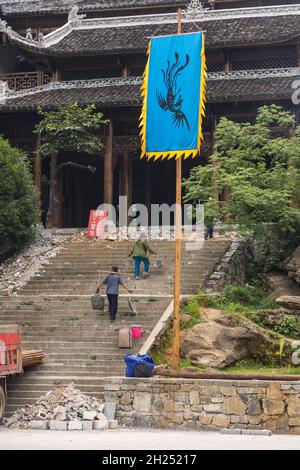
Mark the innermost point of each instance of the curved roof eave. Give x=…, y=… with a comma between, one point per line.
x=255, y=85
x=224, y=28
x=12, y=8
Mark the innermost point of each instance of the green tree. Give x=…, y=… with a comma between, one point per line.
x=259, y=170
x=17, y=198
x=67, y=128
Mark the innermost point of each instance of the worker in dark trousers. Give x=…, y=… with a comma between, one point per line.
x=112, y=283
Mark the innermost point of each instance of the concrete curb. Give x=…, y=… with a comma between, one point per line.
x=247, y=432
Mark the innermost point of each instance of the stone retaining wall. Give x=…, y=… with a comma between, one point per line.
x=233, y=267
x=206, y=404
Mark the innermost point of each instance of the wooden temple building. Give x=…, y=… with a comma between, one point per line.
x=94, y=51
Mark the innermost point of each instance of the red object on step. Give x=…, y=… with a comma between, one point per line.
x=97, y=224
x=10, y=350
x=136, y=331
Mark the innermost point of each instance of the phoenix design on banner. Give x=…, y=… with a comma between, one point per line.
x=173, y=99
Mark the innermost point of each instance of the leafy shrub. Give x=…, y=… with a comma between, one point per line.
x=242, y=298
x=17, y=198
x=288, y=326
x=192, y=308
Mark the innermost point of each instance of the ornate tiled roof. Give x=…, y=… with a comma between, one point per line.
x=224, y=28
x=44, y=7
x=235, y=86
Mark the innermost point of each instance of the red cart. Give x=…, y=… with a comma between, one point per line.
x=10, y=359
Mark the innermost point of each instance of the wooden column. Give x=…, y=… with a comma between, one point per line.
x=130, y=183
x=37, y=175
x=52, y=219
x=40, y=78
x=55, y=75
x=108, y=167
x=213, y=123
x=148, y=181
x=227, y=66
x=125, y=69
x=40, y=75
x=124, y=182
x=126, y=175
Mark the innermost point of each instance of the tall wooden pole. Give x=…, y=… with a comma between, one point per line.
x=177, y=271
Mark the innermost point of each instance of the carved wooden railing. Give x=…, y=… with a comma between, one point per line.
x=25, y=80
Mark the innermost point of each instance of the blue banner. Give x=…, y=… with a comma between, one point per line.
x=174, y=96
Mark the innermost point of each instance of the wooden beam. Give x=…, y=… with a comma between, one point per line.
x=108, y=167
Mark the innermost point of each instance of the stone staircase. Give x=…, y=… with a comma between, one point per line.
x=55, y=314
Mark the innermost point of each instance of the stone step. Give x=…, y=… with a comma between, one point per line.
x=96, y=324
x=106, y=258
x=94, y=265
x=39, y=307
x=16, y=403
x=55, y=314
x=86, y=283
x=74, y=329
x=32, y=338
x=87, y=288
x=122, y=255
x=83, y=310
x=80, y=368
x=42, y=388
x=61, y=379
x=115, y=249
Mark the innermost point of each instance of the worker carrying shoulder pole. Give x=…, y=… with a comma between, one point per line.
x=140, y=254
x=112, y=283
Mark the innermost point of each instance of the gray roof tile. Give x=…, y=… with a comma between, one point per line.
x=127, y=35
x=38, y=7
x=251, y=88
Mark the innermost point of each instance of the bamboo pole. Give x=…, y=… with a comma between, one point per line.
x=177, y=270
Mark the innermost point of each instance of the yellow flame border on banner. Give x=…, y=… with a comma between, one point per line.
x=143, y=118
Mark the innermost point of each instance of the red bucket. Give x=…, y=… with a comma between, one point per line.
x=136, y=331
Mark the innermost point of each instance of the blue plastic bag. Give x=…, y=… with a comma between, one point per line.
x=132, y=360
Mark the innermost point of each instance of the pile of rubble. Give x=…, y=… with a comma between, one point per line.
x=64, y=409
x=119, y=234
x=17, y=270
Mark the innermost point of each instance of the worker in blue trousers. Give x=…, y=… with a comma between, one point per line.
x=140, y=254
